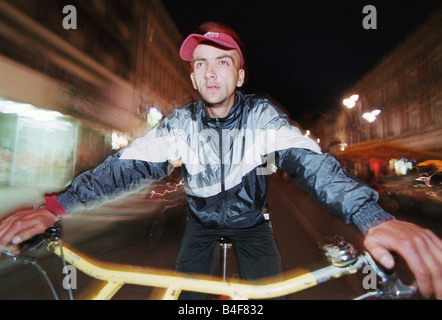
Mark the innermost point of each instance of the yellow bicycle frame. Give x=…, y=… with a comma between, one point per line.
x=116, y=275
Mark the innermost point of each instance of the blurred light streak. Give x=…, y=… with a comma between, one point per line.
x=162, y=194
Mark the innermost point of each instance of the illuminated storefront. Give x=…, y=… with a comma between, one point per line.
x=41, y=147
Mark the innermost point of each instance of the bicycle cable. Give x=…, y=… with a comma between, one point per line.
x=46, y=277
x=27, y=259
x=51, y=235
x=54, y=234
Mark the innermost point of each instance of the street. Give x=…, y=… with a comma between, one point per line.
x=145, y=230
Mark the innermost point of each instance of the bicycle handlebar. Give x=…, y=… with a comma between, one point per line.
x=391, y=285
x=343, y=256
x=341, y=253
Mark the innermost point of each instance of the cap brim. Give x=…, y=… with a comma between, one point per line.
x=193, y=40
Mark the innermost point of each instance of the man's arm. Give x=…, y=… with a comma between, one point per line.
x=112, y=178
x=333, y=188
x=146, y=160
x=109, y=179
x=329, y=184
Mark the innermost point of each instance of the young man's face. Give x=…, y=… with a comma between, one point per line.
x=216, y=74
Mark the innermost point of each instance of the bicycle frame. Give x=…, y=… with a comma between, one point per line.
x=116, y=275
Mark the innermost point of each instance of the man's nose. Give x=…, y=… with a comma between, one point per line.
x=210, y=72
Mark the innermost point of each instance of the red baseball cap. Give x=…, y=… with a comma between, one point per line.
x=220, y=38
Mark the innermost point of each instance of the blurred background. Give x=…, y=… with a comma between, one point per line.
x=80, y=80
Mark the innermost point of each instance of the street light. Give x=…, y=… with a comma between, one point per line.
x=371, y=116
x=351, y=102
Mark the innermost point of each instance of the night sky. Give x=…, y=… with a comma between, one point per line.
x=306, y=55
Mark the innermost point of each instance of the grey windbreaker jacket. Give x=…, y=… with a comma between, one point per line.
x=226, y=165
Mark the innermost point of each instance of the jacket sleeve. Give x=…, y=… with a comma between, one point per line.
x=332, y=187
x=146, y=160
x=322, y=176
x=112, y=178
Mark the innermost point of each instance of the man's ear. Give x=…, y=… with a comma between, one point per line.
x=241, y=78
x=192, y=78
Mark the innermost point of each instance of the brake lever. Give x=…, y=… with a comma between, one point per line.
x=21, y=253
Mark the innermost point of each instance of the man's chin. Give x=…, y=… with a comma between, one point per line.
x=213, y=101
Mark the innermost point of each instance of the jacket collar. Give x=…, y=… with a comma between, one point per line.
x=228, y=120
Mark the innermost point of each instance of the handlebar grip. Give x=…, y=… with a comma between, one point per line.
x=53, y=233
x=391, y=285
x=341, y=253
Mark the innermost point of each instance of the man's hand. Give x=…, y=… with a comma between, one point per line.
x=420, y=248
x=23, y=225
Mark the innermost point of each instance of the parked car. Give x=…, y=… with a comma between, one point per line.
x=421, y=195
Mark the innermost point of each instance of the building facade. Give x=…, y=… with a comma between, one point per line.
x=403, y=96
x=95, y=67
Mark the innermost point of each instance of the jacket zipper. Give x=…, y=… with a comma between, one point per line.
x=223, y=187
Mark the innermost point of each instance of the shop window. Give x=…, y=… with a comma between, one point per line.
x=37, y=146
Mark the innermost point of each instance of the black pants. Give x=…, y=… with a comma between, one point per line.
x=255, y=248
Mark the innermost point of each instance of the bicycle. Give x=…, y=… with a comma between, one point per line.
x=344, y=260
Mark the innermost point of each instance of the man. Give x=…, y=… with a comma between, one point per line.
x=225, y=142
